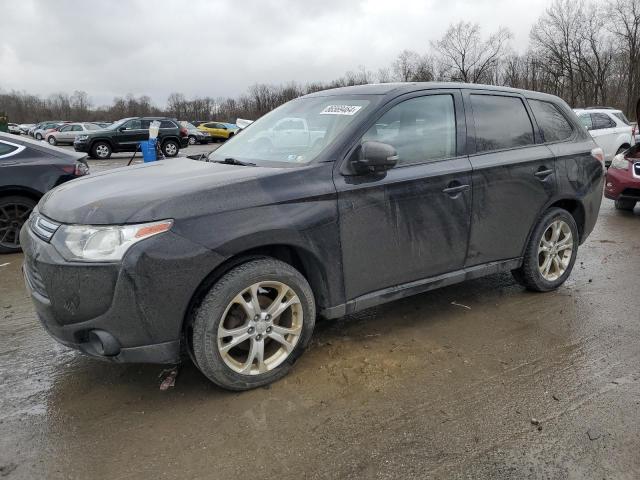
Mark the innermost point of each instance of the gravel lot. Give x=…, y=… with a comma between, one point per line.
x=478, y=380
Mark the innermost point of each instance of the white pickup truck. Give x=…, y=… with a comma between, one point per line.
x=292, y=132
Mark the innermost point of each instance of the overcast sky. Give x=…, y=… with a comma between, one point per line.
x=219, y=48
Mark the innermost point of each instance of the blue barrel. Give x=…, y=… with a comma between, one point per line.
x=148, y=148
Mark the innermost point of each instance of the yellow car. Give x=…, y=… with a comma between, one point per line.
x=218, y=130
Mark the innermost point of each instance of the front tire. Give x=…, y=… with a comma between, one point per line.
x=550, y=253
x=14, y=212
x=101, y=150
x=253, y=324
x=38, y=136
x=52, y=140
x=170, y=148
x=625, y=204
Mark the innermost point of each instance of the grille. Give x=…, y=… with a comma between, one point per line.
x=43, y=227
x=33, y=278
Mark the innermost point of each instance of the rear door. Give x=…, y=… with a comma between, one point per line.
x=513, y=175
x=412, y=222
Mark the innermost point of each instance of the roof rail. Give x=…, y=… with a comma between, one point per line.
x=600, y=108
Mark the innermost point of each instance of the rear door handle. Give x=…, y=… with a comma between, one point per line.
x=543, y=173
x=455, y=189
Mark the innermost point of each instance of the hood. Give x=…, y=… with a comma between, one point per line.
x=179, y=188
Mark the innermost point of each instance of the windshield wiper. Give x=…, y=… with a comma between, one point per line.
x=233, y=161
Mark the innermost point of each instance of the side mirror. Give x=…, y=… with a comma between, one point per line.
x=122, y=129
x=374, y=157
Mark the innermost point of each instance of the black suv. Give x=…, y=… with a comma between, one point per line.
x=126, y=134
x=380, y=192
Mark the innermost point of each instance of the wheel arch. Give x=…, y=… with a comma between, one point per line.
x=9, y=190
x=571, y=205
x=299, y=258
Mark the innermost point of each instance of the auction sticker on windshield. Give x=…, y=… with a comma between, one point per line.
x=340, y=110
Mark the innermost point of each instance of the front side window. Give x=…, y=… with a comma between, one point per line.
x=296, y=132
x=553, y=124
x=421, y=129
x=585, y=118
x=501, y=122
x=76, y=128
x=133, y=125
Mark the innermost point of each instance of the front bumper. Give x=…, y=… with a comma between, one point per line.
x=125, y=312
x=622, y=184
x=81, y=146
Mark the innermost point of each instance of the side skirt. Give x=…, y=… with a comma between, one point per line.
x=419, y=286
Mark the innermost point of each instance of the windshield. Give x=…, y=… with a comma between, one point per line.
x=118, y=124
x=295, y=132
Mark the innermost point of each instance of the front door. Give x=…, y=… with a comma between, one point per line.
x=130, y=134
x=513, y=176
x=412, y=222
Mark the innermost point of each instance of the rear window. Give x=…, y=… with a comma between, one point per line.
x=501, y=122
x=621, y=117
x=553, y=124
x=6, y=149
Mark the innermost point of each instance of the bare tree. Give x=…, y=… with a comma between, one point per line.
x=625, y=24
x=464, y=56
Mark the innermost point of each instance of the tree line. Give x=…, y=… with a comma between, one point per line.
x=585, y=51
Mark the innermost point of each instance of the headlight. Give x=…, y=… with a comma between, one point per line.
x=620, y=162
x=82, y=137
x=88, y=243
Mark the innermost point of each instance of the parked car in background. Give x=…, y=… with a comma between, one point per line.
x=218, y=130
x=28, y=169
x=126, y=134
x=41, y=130
x=24, y=128
x=66, y=133
x=609, y=128
x=14, y=128
x=232, y=259
x=623, y=179
x=195, y=135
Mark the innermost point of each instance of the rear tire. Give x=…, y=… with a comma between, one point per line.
x=550, y=253
x=52, y=140
x=192, y=140
x=38, y=136
x=625, y=204
x=266, y=343
x=14, y=212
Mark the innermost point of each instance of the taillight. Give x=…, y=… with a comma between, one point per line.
x=184, y=132
x=81, y=169
x=598, y=154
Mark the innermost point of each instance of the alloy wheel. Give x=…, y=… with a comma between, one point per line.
x=170, y=149
x=102, y=151
x=555, y=250
x=12, y=218
x=260, y=328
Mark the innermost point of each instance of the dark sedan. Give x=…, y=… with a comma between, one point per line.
x=28, y=169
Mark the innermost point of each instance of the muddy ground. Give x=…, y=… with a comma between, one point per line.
x=448, y=384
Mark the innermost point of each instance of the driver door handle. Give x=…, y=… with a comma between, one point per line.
x=543, y=173
x=453, y=190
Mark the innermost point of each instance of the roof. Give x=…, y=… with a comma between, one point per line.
x=400, y=88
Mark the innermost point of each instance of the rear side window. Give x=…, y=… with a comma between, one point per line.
x=167, y=124
x=554, y=126
x=501, y=122
x=622, y=118
x=6, y=149
x=421, y=129
x=601, y=120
